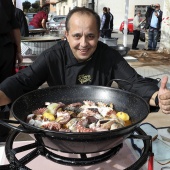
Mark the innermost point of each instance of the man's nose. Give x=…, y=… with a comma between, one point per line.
x=83, y=41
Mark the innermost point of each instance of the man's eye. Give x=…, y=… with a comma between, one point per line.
x=91, y=36
x=76, y=36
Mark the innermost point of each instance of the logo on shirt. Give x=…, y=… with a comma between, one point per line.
x=84, y=78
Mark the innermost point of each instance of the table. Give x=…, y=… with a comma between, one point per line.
x=38, y=31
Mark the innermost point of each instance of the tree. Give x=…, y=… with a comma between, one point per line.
x=26, y=6
x=36, y=6
x=165, y=29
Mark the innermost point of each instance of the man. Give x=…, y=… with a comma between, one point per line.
x=105, y=23
x=154, y=22
x=10, y=48
x=111, y=23
x=20, y=16
x=136, y=30
x=82, y=57
x=146, y=27
x=39, y=20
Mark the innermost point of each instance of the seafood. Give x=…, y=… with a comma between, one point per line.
x=87, y=116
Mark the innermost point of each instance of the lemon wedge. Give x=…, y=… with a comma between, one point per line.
x=122, y=115
x=48, y=116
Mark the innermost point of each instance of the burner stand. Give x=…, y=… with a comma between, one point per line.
x=39, y=149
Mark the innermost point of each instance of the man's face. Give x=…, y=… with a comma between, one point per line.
x=82, y=36
x=139, y=14
x=157, y=6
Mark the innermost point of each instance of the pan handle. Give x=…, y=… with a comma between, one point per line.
x=120, y=80
x=7, y=124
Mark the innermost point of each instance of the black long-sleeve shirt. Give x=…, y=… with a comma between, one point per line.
x=8, y=21
x=58, y=66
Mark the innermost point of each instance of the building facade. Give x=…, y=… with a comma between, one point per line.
x=117, y=8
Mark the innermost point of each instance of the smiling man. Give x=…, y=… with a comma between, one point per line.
x=82, y=35
x=82, y=59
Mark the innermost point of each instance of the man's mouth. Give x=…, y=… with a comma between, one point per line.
x=84, y=50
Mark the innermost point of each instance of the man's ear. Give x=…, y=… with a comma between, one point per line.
x=99, y=34
x=66, y=34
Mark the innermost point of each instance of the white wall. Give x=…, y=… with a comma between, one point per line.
x=117, y=8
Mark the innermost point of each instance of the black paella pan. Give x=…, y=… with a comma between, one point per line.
x=76, y=142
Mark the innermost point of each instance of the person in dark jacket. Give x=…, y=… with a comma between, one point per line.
x=82, y=59
x=10, y=49
x=105, y=24
x=20, y=16
x=154, y=19
x=111, y=23
x=146, y=27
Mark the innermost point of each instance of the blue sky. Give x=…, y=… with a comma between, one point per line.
x=32, y=1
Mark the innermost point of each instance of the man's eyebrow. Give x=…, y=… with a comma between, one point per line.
x=76, y=34
x=90, y=34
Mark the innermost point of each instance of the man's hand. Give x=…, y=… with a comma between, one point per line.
x=19, y=58
x=156, y=14
x=164, y=96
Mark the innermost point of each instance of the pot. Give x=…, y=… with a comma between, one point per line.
x=75, y=142
x=121, y=49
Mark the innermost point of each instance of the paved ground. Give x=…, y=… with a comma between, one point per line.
x=147, y=63
x=150, y=64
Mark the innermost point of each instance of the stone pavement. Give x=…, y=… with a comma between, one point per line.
x=149, y=64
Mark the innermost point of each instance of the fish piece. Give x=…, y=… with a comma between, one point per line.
x=63, y=119
x=81, y=126
x=39, y=111
x=51, y=125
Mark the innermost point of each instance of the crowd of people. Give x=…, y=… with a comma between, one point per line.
x=153, y=19
x=80, y=57
x=152, y=26
x=106, y=26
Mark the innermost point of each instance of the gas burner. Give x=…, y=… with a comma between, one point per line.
x=38, y=149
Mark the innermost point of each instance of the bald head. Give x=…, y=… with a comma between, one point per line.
x=157, y=6
x=82, y=11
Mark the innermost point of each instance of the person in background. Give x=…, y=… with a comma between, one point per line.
x=10, y=50
x=105, y=22
x=146, y=28
x=154, y=22
x=39, y=20
x=20, y=16
x=83, y=59
x=136, y=30
x=27, y=19
x=111, y=23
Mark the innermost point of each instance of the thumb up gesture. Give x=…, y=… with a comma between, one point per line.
x=164, y=96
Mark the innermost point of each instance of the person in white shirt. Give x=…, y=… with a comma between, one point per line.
x=136, y=30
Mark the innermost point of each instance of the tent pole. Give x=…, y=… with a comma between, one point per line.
x=126, y=23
